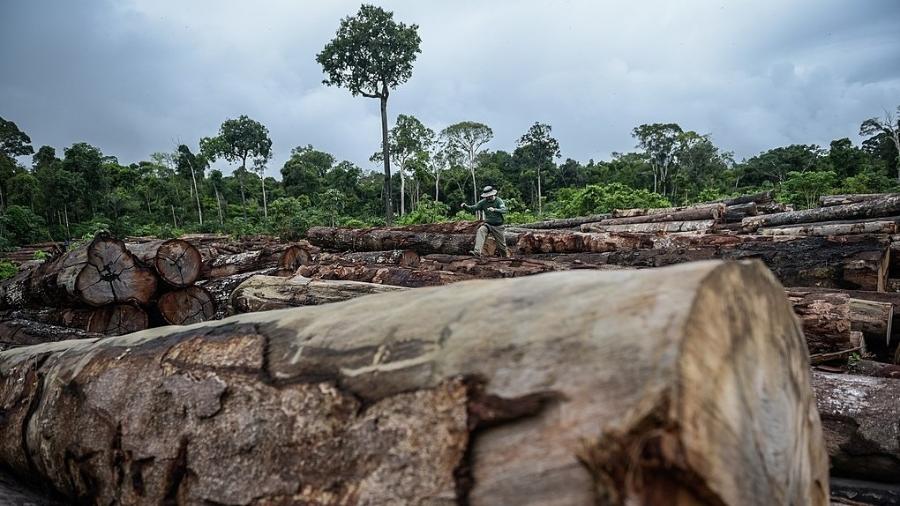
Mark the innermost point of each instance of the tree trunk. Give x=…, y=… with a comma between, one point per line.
x=265, y=202
x=382, y=274
x=386, y=154
x=565, y=222
x=853, y=198
x=176, y=261
x=825, y=319
x=294, y=256
x=220, y=289
x=197, y=195
x=185, y=306
x=864, y=226
x=423, y=239
x=653, y=227
x=876, y=208
x=227, y=265
x=850, y=262
x=241, y=184
x=706, y=212
x=863, y=493
x=539, y=197
x=736, y=213
x=403, y=258
x=219, y=205
x=265, y=293
x=174, y=219
x=17, y=332
x=859, y=415
x=117, y=319
x=669, y=402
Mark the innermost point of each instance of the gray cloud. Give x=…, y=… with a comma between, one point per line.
x=138, y=76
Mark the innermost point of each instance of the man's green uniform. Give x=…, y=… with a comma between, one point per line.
x=493, y=224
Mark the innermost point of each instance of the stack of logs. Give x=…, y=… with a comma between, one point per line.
x=112, y=287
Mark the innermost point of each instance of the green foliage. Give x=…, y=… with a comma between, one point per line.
x=428, y=211
x=803, y=189
x=40, y=255
x=868, y=181
x=597, y=199
x=21, y=226
x=7, y=269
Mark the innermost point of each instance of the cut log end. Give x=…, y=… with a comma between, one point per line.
x=193, y=304
x=178, y=263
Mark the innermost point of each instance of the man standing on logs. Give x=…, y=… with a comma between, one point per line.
x=494, y=208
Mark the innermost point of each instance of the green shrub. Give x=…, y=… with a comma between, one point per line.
x=7, y=269
x=803, y=189
x=596, y=199
x=21, y=226
x=428, y=211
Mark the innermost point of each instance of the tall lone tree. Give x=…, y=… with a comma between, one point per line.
x=889, y=126
x=660, y=144
x=239, y=140
x=464, y=141
x=370, y=55
x=13, y=143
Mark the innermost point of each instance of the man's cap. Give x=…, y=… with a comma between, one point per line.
x=488, y=191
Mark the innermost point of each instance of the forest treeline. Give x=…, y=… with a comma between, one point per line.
x=63, y=195
x=73, y=193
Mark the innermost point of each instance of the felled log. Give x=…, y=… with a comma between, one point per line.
x=653, y=227
x=838, y=200
x=98, y=273
x=403, y=258
x=294, y=256
x=111, y=320
x=663, y=211
x=177, y=262
x=220, y=289
x=859, y=417
x=757, y=198
x=865, y=226
x=383, y=274
x=875, y=369
x=825, y=319
x=630, y=387
x=850, y=492
x=565, y=222
x=17, y=332
x=229, y=265
x=692, y=213
x=737, y=212
x=265, y=293
x=887, y=352
x=193, y=304
x=874, y=320
x=486, y=267
x=875, y=208
x=455, y=238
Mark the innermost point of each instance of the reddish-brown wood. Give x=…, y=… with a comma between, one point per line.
x=193, y=304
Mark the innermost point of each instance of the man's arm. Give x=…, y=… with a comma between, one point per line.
x=500, y=207
x=477, y=207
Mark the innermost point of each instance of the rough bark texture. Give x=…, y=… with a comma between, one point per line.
x=294, y=256
x=16, y=332
x=229, y=265
x=662, y=211
x=825, y=319
x=422, y=241
x=654, y=227
x=759, y=198
x=863, y=493
x=485, y=267
x=383, y=274
x=193, y=304
x=686, y=385
x=859, y=417
x=868, y=226
x=852, y=262
x=265, y=293
x=565, y=222
x=736, y=213
x=221, y=288
x=837, y=200
x=403, y=258
x=875, y=208
x=176, y=261
x=699, y=213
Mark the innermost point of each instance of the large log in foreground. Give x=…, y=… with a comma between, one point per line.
x=859, y=416
x=176, y=261
x=628, y=387
x=265, y=293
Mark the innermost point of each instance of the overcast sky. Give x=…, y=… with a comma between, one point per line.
x=138, y=76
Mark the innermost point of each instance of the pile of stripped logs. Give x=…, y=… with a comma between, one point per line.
x=112, y=287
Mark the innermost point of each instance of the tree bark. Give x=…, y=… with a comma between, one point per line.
x=221, y=288
x=702, y=212
x=859, y=416
x=865, y=226
x=863, y=493
x=610, y=400
x=737, y=212
x=294, y=256
x=758, y=198
x=227, y=265
x=382, y=274
x=403, y=258
x=825, y=319
x=185, y=306
x=875, y=208
x=874, y=320
x=177, y=262
x=838, y=200
x=653, y=227
x=265, y=293
x=565, y=222
x=16, y=332
x=449, y=238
